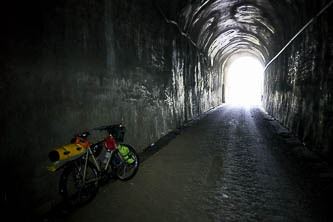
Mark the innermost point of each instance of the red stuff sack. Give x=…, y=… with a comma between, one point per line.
x=110, y=143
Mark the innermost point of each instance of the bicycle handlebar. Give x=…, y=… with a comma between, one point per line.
x=109, y=127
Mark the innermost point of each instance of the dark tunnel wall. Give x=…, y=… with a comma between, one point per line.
x=73, y=65
x=299, y=85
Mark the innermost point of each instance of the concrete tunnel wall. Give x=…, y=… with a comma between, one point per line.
x=69, y=66
x=299, y=84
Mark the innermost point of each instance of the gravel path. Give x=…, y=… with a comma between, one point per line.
x=233, y=164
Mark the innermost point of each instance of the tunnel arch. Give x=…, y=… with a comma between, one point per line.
x=222, y=28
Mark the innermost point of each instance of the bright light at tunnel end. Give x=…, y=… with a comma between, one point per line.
x=244, y=81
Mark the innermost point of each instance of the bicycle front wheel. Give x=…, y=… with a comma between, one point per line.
x=125, y=167
x=74, y=190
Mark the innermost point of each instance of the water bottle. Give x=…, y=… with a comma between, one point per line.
x=107, y=156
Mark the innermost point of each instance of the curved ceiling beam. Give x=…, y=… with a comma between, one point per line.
x=220, y=28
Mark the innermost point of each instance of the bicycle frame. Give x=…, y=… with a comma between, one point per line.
x=87, y=155
x=100, y=171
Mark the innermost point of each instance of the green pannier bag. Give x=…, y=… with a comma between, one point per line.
x=125, y=153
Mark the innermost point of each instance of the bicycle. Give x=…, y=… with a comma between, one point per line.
x=83, y=174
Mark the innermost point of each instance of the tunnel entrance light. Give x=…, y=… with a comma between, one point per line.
x=244, y=81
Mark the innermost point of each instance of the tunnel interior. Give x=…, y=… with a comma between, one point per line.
x=72, y=65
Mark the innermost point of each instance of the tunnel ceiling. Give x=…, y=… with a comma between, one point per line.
x=220, y=28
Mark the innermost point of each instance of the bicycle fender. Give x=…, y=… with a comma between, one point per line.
x=60, y=164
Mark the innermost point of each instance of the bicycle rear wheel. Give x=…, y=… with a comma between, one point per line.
x=72, y=187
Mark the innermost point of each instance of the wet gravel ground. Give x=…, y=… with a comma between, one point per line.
x=233, y=164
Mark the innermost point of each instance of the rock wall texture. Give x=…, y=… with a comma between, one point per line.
x=299, y=85
x=68, y=66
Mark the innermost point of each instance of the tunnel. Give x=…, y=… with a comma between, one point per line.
x=68, y=66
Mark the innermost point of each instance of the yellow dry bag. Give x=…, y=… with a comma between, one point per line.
x=65, y=152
